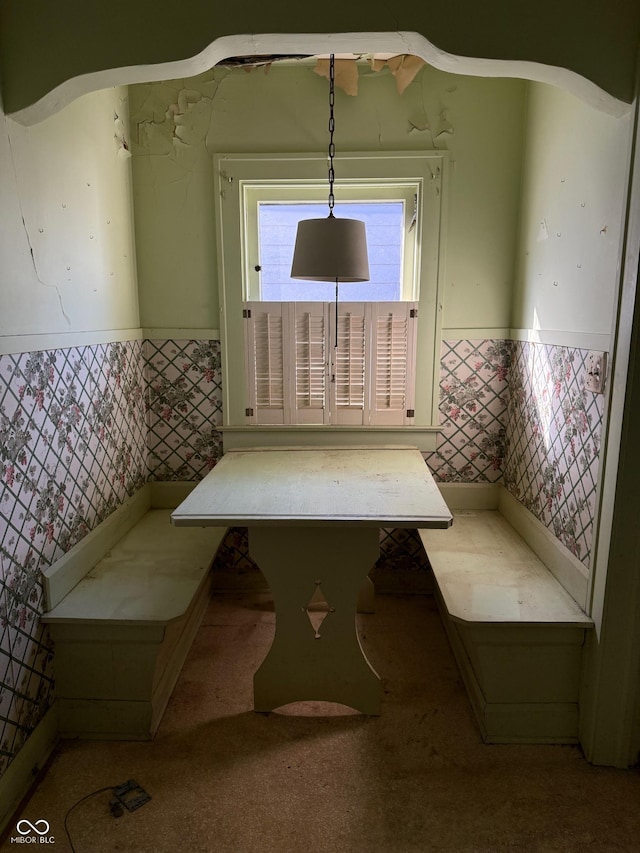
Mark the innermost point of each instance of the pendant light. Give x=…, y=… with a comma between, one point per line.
x=331, y=249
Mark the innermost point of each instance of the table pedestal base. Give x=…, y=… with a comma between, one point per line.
x=325, y=662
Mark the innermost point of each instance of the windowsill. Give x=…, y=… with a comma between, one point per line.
x=281, y=435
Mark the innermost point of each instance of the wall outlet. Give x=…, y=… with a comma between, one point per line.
x=596, y=367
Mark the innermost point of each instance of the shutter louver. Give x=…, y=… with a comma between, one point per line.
x=310, y=362
x=269, y=362
x=267, y=348
x=391, y=362
x=393, y=354
x=289, y=346
x=350, y=359
x=309, y=372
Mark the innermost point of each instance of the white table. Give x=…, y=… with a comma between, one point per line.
x=331, y=504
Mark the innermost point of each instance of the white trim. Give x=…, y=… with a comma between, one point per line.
x=13, y=344
x=65, y=573
x=20, y=775
x=610, y=698
x=173, y=334
x=316, y=43
x=554, y=337
x=232, y=172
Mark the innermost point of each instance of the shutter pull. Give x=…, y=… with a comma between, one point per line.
x=411, y=413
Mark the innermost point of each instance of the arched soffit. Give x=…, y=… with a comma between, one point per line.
x=252, y=45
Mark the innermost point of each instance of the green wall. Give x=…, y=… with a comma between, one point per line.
x=67, y=249
x=177, y=126
x=575, y=177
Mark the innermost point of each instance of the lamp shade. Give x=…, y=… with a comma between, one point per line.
x=330, y=249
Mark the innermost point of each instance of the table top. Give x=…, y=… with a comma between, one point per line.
x=376, y=487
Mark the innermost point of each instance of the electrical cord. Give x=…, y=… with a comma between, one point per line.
x=75, y=805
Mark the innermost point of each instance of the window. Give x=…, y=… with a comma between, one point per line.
x=289, y=362
x=385, y=225
x=272, y=215
x=299, y=373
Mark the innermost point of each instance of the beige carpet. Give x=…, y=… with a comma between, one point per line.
x=224, y=779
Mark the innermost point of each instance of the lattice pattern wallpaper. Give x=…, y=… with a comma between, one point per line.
x=185, y=408
x=72, y=448
x=474, y=378
x=554, y=429
x=82, y=428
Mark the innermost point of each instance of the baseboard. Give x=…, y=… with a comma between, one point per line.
x=61, y=577
x=563, y=565
x=23, y=770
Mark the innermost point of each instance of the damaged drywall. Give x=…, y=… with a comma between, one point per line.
x=25, y=227
x=404, y=68
x=120, y=135
x=177, y=126
x=67, y=205
x=345, y=74
x=172, y=116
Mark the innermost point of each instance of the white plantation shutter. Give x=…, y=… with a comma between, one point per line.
x=266, y=348
x=296, y=375
x=393, y=357
x=350, y=391
x=311, y=362
x=287, y=362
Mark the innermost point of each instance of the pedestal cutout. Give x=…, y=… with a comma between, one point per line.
x=305, y=565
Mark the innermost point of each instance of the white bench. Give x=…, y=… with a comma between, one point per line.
x=124, y=606
x=516, y=633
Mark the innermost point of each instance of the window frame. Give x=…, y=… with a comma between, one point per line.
x=232, y=174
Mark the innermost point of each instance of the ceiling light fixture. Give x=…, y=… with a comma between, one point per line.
x=331, y=249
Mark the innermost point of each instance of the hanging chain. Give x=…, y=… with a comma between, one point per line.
x=332, y=175
x=332, y=126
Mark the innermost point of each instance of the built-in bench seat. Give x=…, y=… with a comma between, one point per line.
x=516, y=633
x=123, y=629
